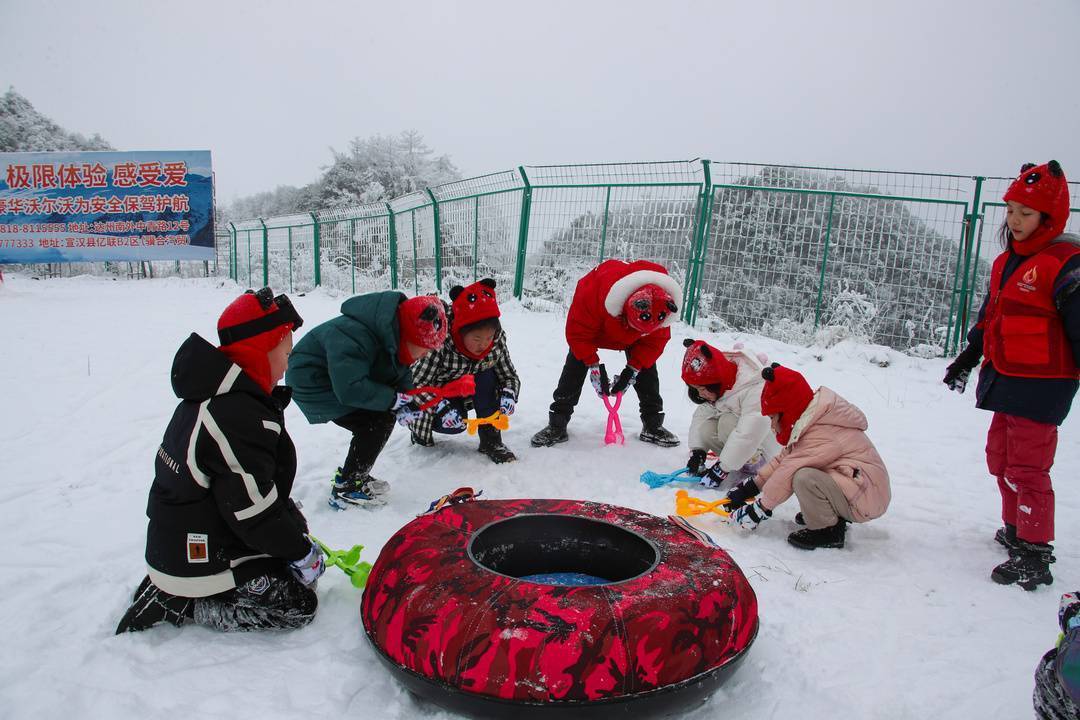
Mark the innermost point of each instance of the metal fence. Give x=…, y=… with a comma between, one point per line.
x=898, y=258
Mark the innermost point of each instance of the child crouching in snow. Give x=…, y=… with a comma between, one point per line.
x=225, y=546
x=353, y=370
x=827, y=461
x=476, y=346
x=727, y=388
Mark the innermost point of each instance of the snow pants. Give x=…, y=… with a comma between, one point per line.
x=274, y=601
x=568, y=392
x=484, y=402
x=1020, y=453
x=821, y=500
x=370, y=430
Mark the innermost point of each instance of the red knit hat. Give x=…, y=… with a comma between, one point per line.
x=1043, y=188
x=251, y=326
x=422, y=320
x=648, y=307
x=705, y=365
x=470, y=305
x=787, y=394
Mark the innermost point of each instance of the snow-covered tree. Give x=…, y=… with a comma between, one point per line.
x=24, y=129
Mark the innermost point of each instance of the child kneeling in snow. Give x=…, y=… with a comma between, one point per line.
x=727, y=388
x=827, y=461
x=476, y=346
x=353, y=370
x=225, y=546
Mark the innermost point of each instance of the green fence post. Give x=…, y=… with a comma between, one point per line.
x=248, y=234
x=438, y=239
x=824, y=261
x=352, y=252
x=232, y=252
x=696, y=262
x=476, y=235
x=523, y=233
x=968, y=290
x=290, y=260
x=392, y=227
x=415, y=254
x=318, y=253
x=603, y=223
x=266, y=254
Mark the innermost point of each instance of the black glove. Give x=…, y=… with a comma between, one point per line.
x=624, y=380
x=956, y=375
x=696, y=463
x=738, y=495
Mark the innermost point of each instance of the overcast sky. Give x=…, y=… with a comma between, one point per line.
x=965, y=86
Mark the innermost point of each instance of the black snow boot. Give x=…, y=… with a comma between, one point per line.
x=799, y=519
x=491, y=444
x=1028, y=566
x=1006, y=537
x=829, y=537
x=152, y=606
x=653, y=431
x=554, y=433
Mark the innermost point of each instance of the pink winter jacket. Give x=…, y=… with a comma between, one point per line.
x=830, y=436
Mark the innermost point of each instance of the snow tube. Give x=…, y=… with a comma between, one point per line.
x=448, y=611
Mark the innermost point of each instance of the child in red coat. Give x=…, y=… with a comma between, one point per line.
x=1029, y=333
x=617, y=306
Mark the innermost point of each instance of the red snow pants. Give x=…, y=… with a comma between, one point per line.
x=1020, y=453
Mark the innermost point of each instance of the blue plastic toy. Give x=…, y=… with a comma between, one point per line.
x=655, y=480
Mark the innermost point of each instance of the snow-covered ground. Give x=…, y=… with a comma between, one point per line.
x=904, y=622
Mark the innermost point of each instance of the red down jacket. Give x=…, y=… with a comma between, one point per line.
x=595, y=318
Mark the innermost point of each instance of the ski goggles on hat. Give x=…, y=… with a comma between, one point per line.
x=284, y=315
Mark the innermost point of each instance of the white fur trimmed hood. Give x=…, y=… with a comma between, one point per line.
x=625, y=287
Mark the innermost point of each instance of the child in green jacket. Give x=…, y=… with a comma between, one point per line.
x=353, y=371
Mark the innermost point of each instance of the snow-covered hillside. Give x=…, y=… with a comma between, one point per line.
x=904, y=622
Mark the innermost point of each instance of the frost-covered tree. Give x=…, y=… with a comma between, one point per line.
x=24, y=129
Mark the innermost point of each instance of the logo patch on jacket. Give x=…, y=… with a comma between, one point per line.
x=198, y=548
x=1027, y=283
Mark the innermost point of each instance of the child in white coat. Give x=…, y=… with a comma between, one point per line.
x=728, y=421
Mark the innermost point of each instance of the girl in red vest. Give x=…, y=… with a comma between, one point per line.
x=1029, y=332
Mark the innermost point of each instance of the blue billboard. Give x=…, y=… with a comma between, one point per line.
x=96, y=206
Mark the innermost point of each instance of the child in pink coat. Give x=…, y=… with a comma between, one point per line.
x=827, y=462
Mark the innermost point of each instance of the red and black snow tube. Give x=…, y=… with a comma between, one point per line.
x=447, y=613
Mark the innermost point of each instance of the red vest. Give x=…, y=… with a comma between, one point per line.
x=1024, y=334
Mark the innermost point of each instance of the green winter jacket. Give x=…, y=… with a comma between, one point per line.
x=350, y=362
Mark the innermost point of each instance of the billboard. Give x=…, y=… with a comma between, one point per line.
x=96, y=206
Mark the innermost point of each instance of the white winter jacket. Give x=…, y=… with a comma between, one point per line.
x=734, y=422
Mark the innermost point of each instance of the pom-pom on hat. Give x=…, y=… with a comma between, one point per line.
x=422, y=320
x=705, y=365
x=1043, y=188
x=470, y=305
x=648, y=307
x=254, y=324
x=787, y=394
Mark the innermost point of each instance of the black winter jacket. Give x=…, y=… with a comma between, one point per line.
x=219, y=507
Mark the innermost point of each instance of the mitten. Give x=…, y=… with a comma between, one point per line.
x=696, y=463
x=405, y=409
x=749, y=517
x=715, y=477
x=507, y=401
x=738, y=495
x=624, y=380
x=447, y=415
x=308, y=569
x=599, y=379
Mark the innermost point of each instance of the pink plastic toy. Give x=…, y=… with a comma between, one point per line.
x=614, y=425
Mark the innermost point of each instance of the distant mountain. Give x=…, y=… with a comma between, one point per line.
x=24, y=129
